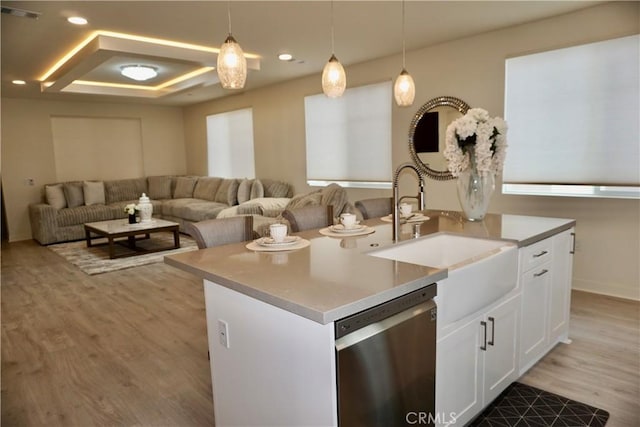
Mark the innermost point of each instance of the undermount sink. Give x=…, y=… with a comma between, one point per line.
x=480, y=270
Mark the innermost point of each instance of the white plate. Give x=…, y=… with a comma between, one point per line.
x=268, y=241
x=339, y=228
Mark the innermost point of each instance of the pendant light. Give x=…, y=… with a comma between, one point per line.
x=232, y=65
x=404, y=89
x=334, y=79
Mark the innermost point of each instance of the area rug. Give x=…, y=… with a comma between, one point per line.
x=95, y=260
x=523, y=405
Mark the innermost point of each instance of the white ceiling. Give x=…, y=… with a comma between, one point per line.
x=364, y=30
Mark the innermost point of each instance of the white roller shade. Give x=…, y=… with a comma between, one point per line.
x=573, y=118
x=230, y=144
x=349, y=138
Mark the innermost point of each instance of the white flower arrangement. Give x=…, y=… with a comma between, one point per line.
x=131, y=208
x=486, y=135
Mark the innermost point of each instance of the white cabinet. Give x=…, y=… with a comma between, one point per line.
x=533, y=333
x=501, y=356
x=459, y=373
x=560, y=291
x=545, y=279
x=476, y=362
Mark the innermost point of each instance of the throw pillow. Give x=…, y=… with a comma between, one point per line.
x=93, y=192
x=228, y=192
x=74, y=194
x=184, y=187
x=244, y=190
x=206, y=188
x=54, y=195
x=257, y=190
x=159, y=187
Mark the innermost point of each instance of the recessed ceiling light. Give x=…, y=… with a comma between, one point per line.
x=139, y=72
x=285, y=57
x=18, y=82
x=77, y=20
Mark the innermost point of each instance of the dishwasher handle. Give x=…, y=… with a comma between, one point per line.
x=382, y=311
x=373, y=329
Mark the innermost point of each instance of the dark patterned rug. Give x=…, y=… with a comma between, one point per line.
x=522, y=405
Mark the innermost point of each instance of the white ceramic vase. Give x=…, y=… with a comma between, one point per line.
x=145, y=208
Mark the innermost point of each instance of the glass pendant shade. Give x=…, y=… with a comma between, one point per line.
x=404, y=90
x=232, y=65
x=334, y=79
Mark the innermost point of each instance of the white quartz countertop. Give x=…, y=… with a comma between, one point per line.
x=334, y=277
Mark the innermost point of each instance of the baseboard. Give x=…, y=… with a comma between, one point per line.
x=621, y=295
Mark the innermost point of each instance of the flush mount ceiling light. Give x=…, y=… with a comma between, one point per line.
x=404, y=89
x=285, y=57
x=334, y=79
x=18, y=82
x=139, y=73
x=77, y=20
x=232, y=65
x=179, y=65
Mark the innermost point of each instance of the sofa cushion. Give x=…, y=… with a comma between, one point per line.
x=54, y=195
x=159, y=187
x=73, y=193
x=83, y=214
x=206, y=188
x=184, y=187
x=191, y=209
x=93, y=192
x=228, y=192
x=124, y=189
x=201, y=211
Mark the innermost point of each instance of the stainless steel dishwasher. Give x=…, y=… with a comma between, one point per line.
x=386, y=363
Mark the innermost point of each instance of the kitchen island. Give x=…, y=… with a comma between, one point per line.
x=270, y=316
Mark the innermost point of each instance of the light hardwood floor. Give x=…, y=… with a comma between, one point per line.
x=130, y=348
x=601, y=367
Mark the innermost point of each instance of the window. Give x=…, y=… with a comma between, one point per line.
x=349, y=138
x=573, y=119
x=230, y=144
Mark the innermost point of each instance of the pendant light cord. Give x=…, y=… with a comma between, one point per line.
x=332, y=41
x=403, y=38
x=229, y=14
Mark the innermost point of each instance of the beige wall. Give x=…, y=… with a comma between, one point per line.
x=472, y=69
x=28, y=152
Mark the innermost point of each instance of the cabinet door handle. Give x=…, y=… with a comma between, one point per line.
x=545, y=271
x=573, y=245
x=538, y=255
x=493, y=330
x=484, y=346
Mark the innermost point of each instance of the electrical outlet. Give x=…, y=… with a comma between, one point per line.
x=30, y=182
x=223, y=333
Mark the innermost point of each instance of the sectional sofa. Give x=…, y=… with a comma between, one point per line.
x=66, y=206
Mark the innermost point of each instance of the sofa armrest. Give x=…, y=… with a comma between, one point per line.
x=43, y=219
x=250, y=209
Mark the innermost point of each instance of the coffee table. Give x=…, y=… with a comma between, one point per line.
x=120, y=228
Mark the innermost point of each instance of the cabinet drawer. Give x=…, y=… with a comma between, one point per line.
x=535, y=255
